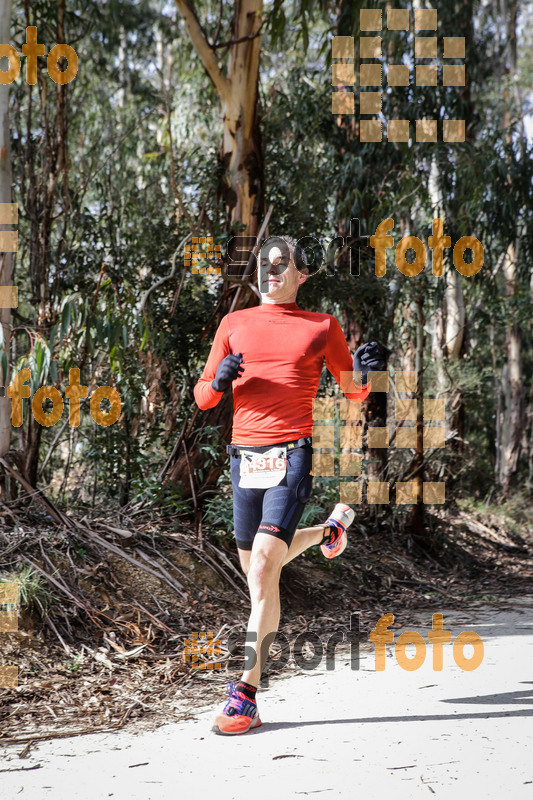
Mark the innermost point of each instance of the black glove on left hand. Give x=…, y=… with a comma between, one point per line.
x=368, y=358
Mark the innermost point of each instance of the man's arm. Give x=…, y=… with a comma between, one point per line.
x=204, y=394
x=339, y=359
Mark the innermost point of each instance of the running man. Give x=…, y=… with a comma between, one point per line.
x=273, y=355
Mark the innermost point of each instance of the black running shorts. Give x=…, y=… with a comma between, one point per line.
x=276, y=510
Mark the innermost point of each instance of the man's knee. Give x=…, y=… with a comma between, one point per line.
x=263, y=573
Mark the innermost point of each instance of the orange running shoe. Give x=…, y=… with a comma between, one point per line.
x=239, y=715
x=341, y=518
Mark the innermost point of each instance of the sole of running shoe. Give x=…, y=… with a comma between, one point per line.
x=345, y=516
x=342, y=547
x=254, y=723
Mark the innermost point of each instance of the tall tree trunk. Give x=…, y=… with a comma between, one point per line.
x=498, y=393
x=237, y=91
x=6, y=259
x=437, y=345
x=455, y=326
x=514, y=416
x=47, y=161
x=417, y=518
x=449, y=323
x=530, y=440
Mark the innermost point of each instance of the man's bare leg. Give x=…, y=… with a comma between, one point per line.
x=302, y=540
x=264, y=571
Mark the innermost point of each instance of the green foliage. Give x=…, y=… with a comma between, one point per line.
x=74, y=665
x=34, y=593
x=167, y=497
x=218, y=513
x=117, y=226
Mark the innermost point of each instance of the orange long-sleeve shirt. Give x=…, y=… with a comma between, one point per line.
x=283, y=349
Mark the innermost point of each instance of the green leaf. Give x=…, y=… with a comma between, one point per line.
x=4, y=363
x=66, y=316
x=144, y=339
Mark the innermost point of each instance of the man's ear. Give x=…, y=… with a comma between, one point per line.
x=304, y=274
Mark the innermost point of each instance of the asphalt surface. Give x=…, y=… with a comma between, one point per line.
x=343, y=733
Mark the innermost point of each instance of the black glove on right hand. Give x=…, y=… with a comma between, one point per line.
x=228, y=369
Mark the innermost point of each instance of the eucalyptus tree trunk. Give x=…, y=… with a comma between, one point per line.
x=530, y=441
x=449, y=321
x=417, y=517
x=454, y=338
x=46, y=161
x=6, y=259
x=237, y=90
x=514, y=413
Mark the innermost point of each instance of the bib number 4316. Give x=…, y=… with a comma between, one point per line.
x=262, y=463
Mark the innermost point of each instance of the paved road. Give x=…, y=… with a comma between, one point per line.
x=348, y=734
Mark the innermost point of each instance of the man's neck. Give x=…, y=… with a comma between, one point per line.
x=272, y=301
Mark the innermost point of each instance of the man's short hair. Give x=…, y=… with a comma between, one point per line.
x=299, y=254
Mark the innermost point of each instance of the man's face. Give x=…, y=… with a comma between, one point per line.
x=279, y=276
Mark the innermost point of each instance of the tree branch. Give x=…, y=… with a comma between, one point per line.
x=241, y=39
x=219, y=23
x=203, y=48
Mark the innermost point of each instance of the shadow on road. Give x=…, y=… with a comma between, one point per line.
x=525, y=696
x=492, y=699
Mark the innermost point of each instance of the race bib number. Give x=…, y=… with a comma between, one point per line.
x=263, y=470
